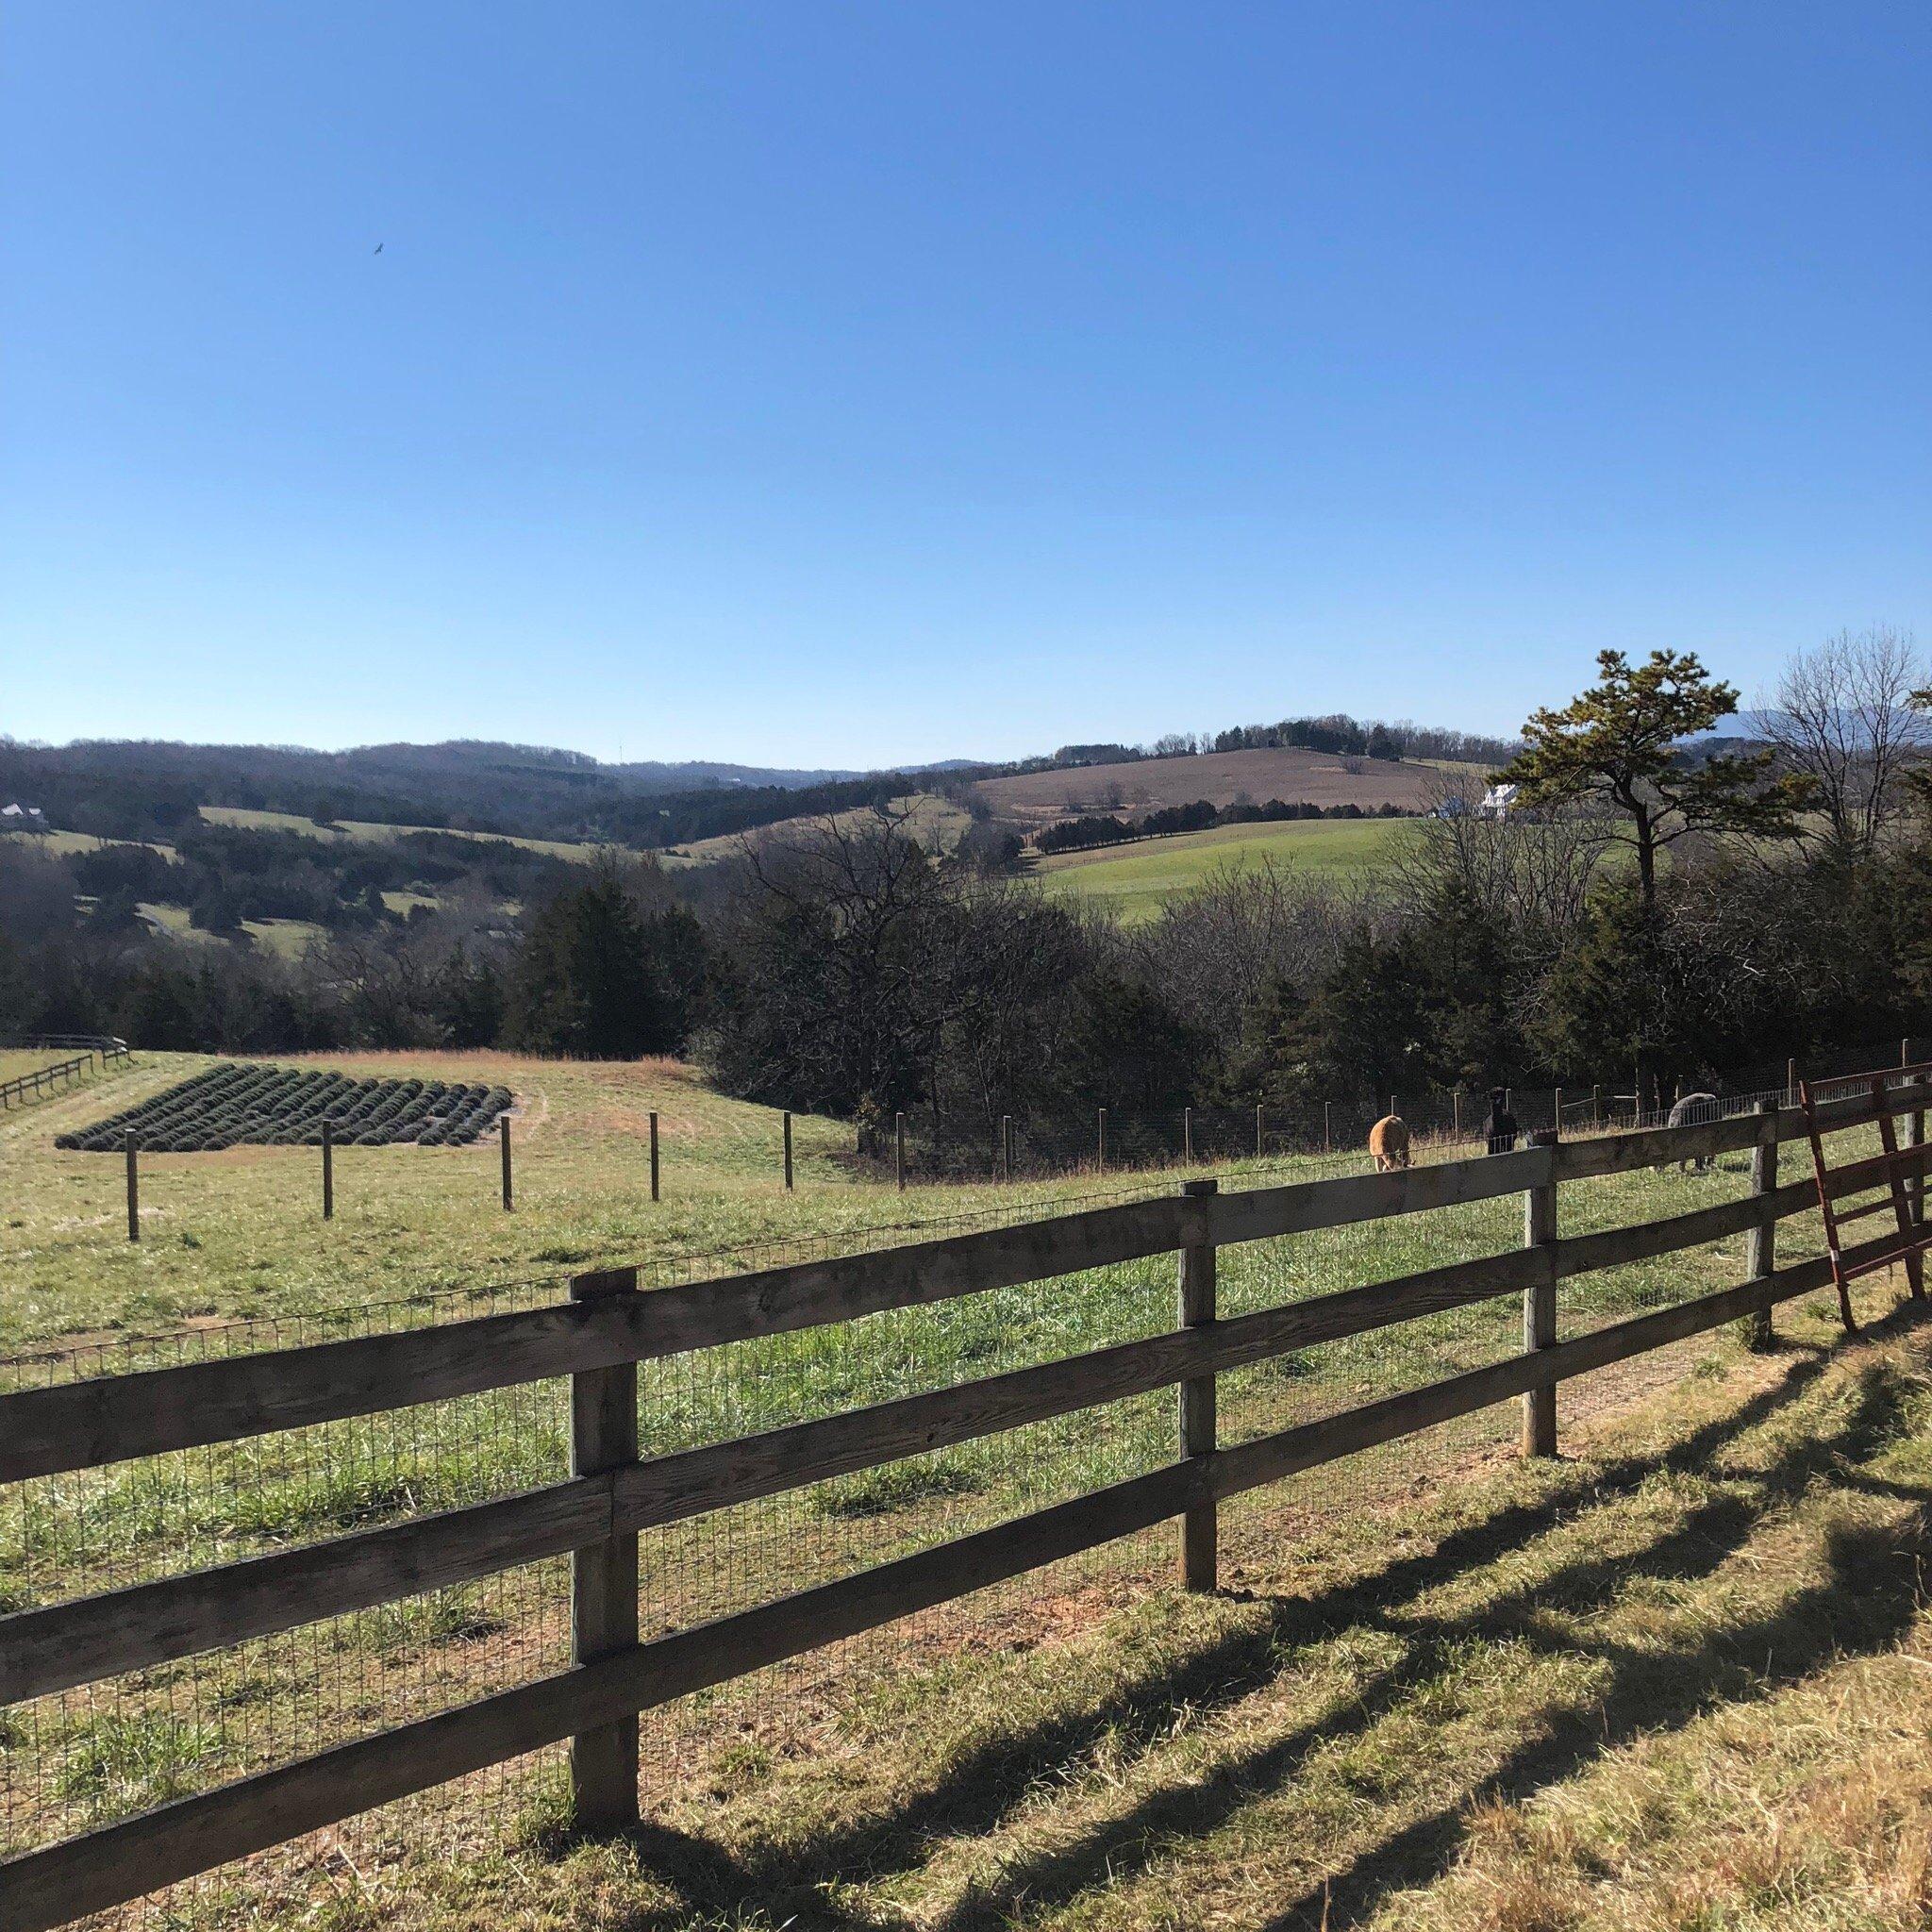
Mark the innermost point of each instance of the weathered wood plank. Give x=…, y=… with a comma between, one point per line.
x=118, y=1862
x=62, y=1645
x=1259, y=1213
x=90, y=1637
x=1607, y=1153
x=109, y=1418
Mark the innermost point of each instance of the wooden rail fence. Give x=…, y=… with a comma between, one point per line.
x=26, y=1088
x=608, y=1327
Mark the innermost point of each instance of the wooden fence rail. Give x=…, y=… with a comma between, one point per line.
x=612, y=1494
x=61, y=1075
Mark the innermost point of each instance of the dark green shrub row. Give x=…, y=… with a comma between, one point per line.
x=245, y=1104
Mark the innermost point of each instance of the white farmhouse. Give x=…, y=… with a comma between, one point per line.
x=1498, y=802
x=16, y=817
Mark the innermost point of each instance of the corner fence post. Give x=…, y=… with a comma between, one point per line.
x=604, y=1575
x=1100, y=1128
x=1006, y=1147
x=1539, y=1303
x=128, y=1141
x=328, y=1169
x=654, y=1156
x=1188, y=1135
x=1259, y=1136
x=1761, y=1244
x=1199, y=1526
x=509, y=1197
x=788, y=1150
x=899, y=1149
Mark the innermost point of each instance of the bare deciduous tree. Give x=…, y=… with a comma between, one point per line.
x=1535, y=868
x=1841, y=715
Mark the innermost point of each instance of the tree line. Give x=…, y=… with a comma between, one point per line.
x=1685, y=913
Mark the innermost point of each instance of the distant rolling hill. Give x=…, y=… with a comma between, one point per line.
x=1312, y=777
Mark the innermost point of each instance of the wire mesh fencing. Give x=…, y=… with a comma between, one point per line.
x=1037, y=1142
x=92, y=1755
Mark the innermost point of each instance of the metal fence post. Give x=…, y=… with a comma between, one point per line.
x=654, y=1156
x=899, y=1149
x=1100, y=1125
x=1790, y=1083
x=1188, y=1135
x=1761, y=1244
x=604, y=1575
x=1199, y=1524
x=1539, y=1304
x=509, y=1198
x=328, y=1169
x=788, y=1150
x=1327, y=1139
x=128, y=1141
x=1260, y=1137
x=1006, y=1146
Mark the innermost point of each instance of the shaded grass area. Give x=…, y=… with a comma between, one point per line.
x=1681, y=1679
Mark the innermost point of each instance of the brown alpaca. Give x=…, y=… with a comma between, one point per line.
x=1389, y=1143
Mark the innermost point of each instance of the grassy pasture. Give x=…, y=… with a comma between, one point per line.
x=932, y=820
x=61, y=844
x=1110, y=1756
x=368, y=831
x=1138, y=880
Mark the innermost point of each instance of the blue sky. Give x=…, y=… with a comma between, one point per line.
x=831, y=383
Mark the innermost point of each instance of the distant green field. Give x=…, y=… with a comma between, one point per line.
x=370, y=833
x=1138, y=880
x=59, y=845
x=289, y=937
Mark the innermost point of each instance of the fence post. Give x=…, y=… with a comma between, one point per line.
x=1006, y=1147
x=1188, y=1135
x=1911, y=1134
x=899, y=1149
x=1761, y=1244
x=1456, y=1112
x=1199, y=1524
x=1100, y=1123
x=133, y=1187
x=1540, y=1305
x=1596, y=1104
x=1557, y=1108
x=654, y=1156
x=1259, y=1136
x=328, y=1169
x=1326, y=1141
x=509, y=1198
x=604, y=1575
x=1790, y=1083
x=788, y=1150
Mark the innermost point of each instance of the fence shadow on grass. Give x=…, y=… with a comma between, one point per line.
x=1867, y=1602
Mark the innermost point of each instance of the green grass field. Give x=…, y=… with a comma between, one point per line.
x=367, y=831
x=290, y=938
x=1138, y=880
x=59, y=845
x=1080, y=1749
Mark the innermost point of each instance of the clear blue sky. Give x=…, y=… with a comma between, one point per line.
x=833, y=383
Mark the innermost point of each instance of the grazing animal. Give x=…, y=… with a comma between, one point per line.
x=1692, y=1109
x=1389, y=1143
